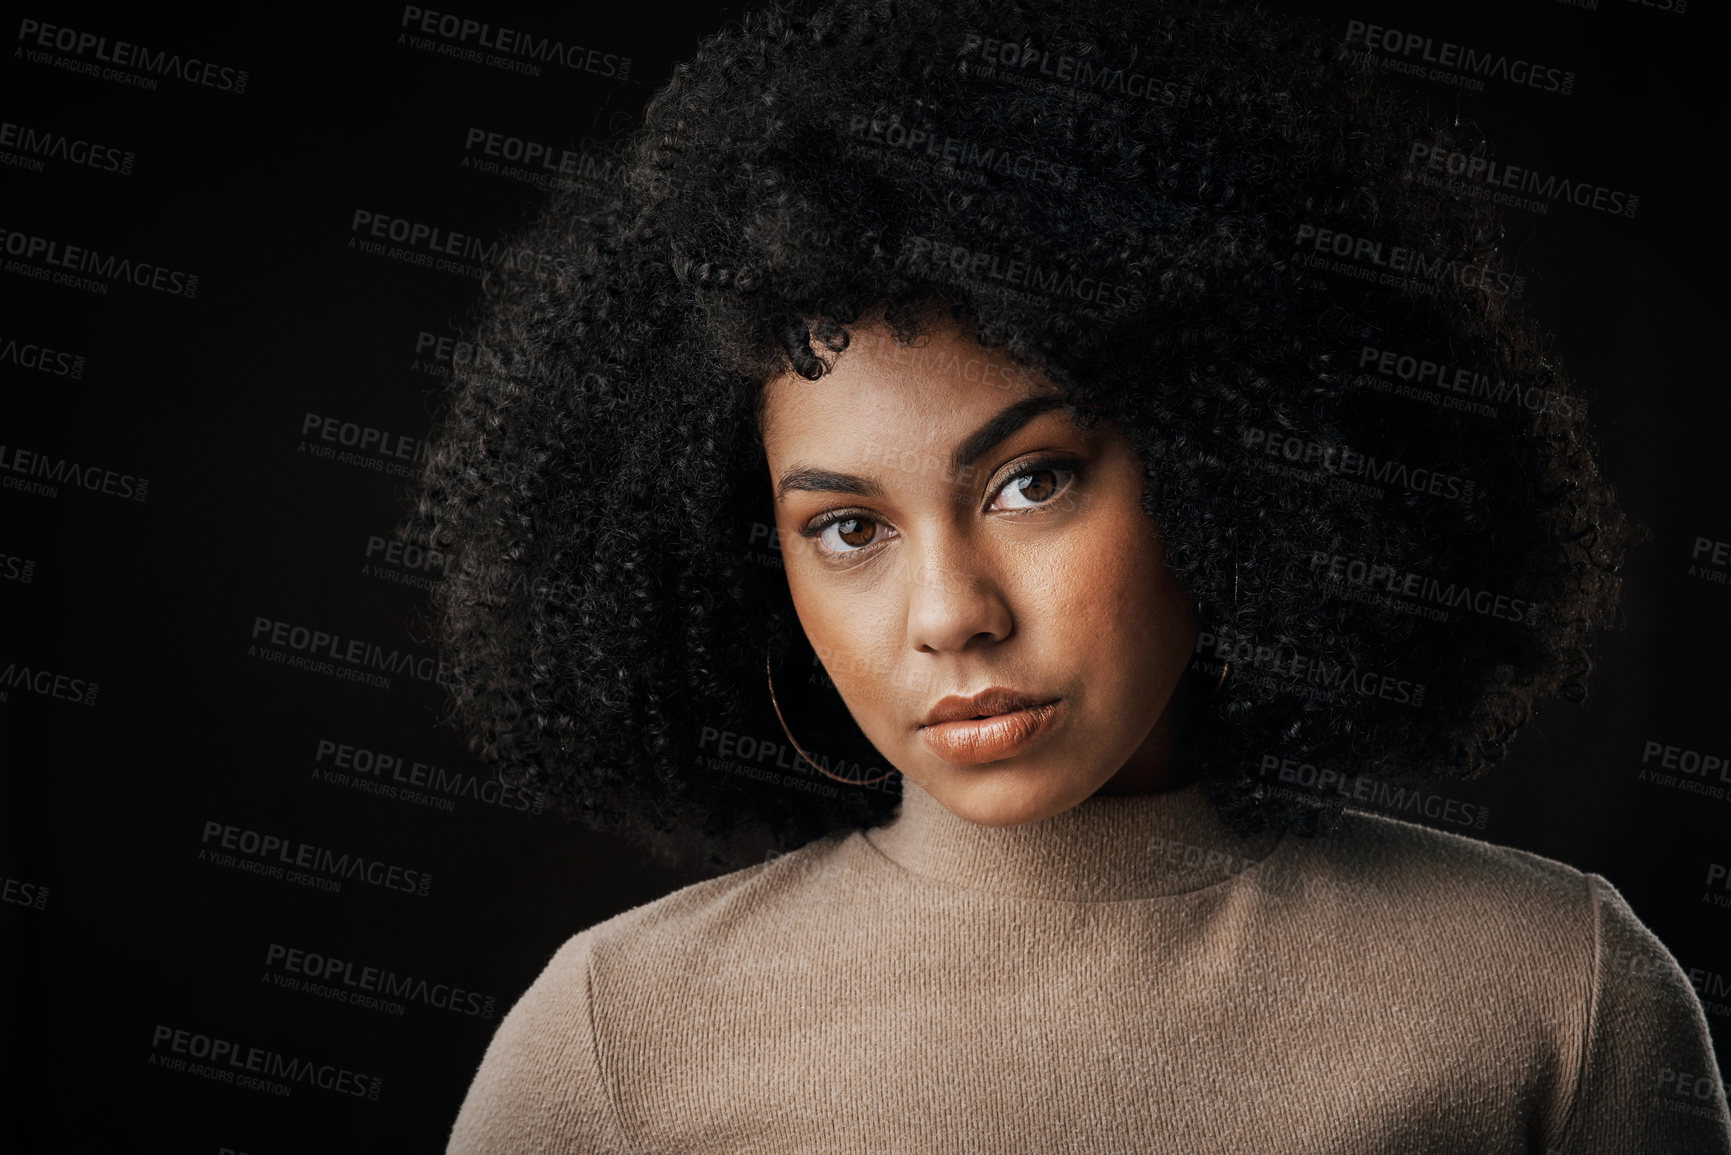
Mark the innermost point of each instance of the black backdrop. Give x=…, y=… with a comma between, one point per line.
x=203, y=479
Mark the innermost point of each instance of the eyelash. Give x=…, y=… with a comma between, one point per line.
x=1070, y=465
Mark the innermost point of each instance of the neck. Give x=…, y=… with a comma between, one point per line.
x=1105, y=848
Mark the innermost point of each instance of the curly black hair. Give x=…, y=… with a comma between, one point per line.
x=1209, y=224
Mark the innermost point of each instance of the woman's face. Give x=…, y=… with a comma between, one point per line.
x=947, y=530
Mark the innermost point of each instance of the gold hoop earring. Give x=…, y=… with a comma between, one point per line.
x=1227, y=665
x=767, y=677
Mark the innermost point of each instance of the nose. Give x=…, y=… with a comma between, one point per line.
x=954, y=601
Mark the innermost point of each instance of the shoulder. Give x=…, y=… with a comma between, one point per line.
x=1540, y=948
x=1388, y=866
x=1398, y=867
x=729, y=916
x=1501, y=933
x=545, y=1083
x=541, y=1086
x=1503, y=902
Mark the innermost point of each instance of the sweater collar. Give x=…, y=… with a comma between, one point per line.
x=1105, y=848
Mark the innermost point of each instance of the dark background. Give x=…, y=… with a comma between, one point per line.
x=113, y=926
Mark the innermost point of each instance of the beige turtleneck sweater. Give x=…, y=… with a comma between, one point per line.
x=1124, y=977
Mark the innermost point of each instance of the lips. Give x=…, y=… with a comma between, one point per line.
x=995, y=724
x=989, y=701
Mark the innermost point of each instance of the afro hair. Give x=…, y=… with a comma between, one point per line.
x=1197, y=220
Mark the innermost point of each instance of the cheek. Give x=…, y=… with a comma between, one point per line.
x=1152, y=604
x=1140, y=582
x=854, y=634
x=1105, y=593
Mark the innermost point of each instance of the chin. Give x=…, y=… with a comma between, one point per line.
x=1006, y=795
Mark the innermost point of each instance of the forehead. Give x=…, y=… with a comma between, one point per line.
x=878, y=389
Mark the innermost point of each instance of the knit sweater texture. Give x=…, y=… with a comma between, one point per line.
x=1128, y=976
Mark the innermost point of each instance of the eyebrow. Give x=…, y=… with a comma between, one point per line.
x=973, y=447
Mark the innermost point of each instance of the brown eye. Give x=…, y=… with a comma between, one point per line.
x=1033, y=487
x=1037, y=486
x=856, y=531
x=846, y=535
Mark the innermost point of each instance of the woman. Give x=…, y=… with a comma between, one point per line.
x=1023, y=469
